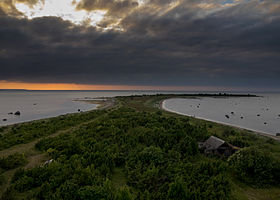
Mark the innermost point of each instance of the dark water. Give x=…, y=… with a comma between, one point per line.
x=255, y=113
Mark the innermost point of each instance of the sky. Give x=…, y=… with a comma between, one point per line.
x=140, y=44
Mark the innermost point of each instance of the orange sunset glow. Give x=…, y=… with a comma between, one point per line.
x=73, y=86
x=58, y=86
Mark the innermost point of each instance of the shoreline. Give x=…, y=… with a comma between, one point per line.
x=100, y=105
x=162, y=107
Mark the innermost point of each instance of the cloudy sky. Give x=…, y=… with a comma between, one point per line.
x=140, y=44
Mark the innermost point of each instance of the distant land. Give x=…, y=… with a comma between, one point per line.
x=177, y=93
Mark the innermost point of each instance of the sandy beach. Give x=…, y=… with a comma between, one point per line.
x=163, y=107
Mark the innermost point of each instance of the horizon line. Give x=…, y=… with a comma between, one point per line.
x=156, y=90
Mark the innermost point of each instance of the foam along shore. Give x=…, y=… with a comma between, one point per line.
x=163, y=107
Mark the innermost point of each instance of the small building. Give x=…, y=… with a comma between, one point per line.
x=217, y=146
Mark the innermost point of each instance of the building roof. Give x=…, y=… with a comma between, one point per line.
x=213, y=143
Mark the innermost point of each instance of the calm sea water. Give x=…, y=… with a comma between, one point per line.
x=35, y=105
x=260, y=114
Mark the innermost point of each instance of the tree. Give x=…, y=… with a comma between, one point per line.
x=123, y=194
x=252, y=165
x=177, y=190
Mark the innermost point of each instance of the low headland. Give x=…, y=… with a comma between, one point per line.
x=131, y=149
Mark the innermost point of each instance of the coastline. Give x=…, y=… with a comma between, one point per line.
x=100, y=105
x=162, y=107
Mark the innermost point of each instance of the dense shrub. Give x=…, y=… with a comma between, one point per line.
x=2, y=179
x=178, y=190
x=12, y=161
x=256, y=166
x=123, y=194
x=150, y=149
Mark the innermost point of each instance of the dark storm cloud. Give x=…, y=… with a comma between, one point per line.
x=184, y=45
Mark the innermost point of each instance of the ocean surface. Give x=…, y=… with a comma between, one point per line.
x=261, y=114
x=35, y=105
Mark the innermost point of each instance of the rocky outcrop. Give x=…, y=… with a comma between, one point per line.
x=17, y=113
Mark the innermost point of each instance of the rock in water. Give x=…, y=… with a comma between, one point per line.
x=17, y=113
x=227, y=116
x=10, y=113
x=4, y=120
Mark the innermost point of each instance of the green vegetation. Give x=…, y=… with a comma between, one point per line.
x=12, y=161
x=26, y=132
x=255, y=166
x=136, y=151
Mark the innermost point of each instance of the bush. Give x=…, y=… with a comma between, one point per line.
x=177, y=190
x=152, y=155
x=123, y=194
x=252, y=165
x=188, y=146
x=13, y=161
x=18, y=174
x=2, y=179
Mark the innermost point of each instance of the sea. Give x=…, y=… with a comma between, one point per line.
x=34, y=105
x=260, y=114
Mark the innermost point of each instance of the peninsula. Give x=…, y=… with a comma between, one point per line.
x=131, y=149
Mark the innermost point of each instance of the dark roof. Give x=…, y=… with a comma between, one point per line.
x=213, y=143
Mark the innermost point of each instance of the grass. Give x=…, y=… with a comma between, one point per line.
x=241, y=191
